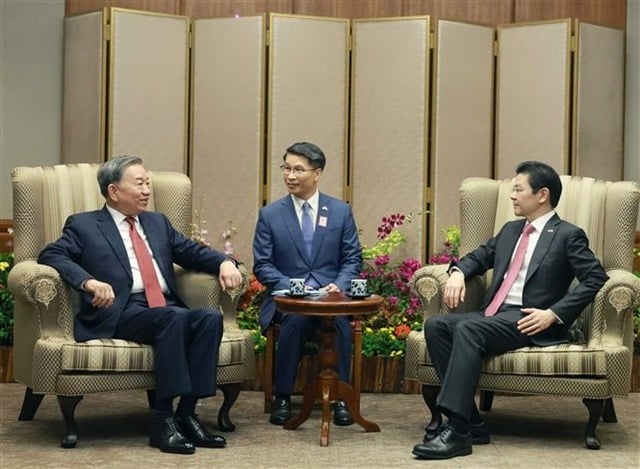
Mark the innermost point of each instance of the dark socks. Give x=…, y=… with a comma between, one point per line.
x=163, y=410
x=186, y=406
x=476, y=418
x=281, y=395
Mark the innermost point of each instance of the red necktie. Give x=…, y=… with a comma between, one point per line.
x=152, y=289
x=512, y=273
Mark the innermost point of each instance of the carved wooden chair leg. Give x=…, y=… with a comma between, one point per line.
x=430, y=395
x=30, y=404
x=609, y=411
x=151, y=398
x=230, y=392
x=595, y=407
x=68, y=406
x=486, y=400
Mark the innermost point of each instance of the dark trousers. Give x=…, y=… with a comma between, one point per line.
x=458, y=343
x=185, y=344
x=295, y=331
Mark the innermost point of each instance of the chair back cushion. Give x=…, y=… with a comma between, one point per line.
x=43, y=198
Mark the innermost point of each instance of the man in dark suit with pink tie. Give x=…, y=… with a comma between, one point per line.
x=120, y=259
x=308, y=235
x=529, y=302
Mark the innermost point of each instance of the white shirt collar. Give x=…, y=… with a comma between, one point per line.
x=118, y=217
x=541, y=221
x=314, y=200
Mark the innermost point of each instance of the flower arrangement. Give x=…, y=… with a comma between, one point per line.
x=6, y=299
x=451, y=250
x=199, y=232
x=384, y=333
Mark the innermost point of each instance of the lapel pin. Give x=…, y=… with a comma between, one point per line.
x=324, y=207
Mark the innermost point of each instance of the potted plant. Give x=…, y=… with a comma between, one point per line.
x=6, y=318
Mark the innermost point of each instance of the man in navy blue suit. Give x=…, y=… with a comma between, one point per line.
x=98, y=254
x=326, y=254
x=530, y=301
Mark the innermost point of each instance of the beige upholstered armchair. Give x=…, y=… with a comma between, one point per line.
x=47, y=358
x=596, y=364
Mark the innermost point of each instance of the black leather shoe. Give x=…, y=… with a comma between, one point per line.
x=447, y=444
x=480, y=434
x=341, y=414
x=194, y=431
x=166, y=436
x=280, y=410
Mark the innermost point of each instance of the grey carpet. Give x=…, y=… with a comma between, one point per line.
x=526, y=432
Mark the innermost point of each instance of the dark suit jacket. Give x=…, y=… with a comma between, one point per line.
x=91, y=247
x=561, y=255
x=279, y=251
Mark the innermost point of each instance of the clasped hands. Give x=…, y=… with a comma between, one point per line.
x=535, y=320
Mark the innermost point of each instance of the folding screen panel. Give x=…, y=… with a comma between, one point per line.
x=533, y=95
x=308, y=88
x=83, y=111
x=227, y=127
x=462, y=126
x=148, y=88
x=390, y=108
x=599, y=100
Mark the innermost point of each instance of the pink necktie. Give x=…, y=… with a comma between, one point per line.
x=152, y=289
x=512, y=273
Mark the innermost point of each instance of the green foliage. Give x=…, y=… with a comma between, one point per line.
x=6, y=300
x=382, y=342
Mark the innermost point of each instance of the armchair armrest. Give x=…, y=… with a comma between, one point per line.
x=428, y=283
x=202, y=290
x=611, y=321
x=44, y=302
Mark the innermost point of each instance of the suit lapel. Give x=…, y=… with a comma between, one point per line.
x=156, y=244
x=112, y=236
x=544, y=243
x=322, y=222
x=509, y=245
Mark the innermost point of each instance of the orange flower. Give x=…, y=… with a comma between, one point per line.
x=402, y=331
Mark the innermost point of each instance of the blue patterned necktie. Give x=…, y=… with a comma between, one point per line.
x=307, y=227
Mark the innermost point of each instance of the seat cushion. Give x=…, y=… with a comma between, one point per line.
x=117, y=355
x=562, y=359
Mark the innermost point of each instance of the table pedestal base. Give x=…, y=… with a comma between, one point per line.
x=328, y=388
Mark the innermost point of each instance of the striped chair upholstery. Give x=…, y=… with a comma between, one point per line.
x=47, y=358
x=596, y=364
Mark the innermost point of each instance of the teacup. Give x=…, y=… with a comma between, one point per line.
x=296, y=286
x=358, y=287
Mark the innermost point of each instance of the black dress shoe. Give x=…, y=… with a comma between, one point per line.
x=194, y=431
x=166, y=436
x=447, y=444
x=341, y=414
x=280, y=410
x=480, y=434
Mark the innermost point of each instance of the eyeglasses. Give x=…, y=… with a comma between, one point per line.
x=297, y=171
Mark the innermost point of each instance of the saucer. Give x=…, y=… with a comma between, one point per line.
x=291, y=295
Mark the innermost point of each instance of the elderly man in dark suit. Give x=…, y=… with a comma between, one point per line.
x=326, y=254
x=529, y=302
x=121, y=260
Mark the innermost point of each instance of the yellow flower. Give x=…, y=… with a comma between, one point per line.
x=4, y=266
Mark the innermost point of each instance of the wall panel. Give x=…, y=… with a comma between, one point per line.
x=148, y=91
x=599, y=103
x=227, y=127
x=229, y=8
x=349, y=9
x=308, y=77
x=390, y=102
x=462, y=106
x=612, y=13
x=83, y=108
x=533, y=95
x=480, y=11
x=171, y=7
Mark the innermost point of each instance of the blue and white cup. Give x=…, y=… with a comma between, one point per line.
x=358, y=287
x=296, y=286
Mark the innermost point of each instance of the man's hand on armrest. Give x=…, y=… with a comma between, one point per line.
x=230, y=276
x=102, y=292
x=454, y=289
